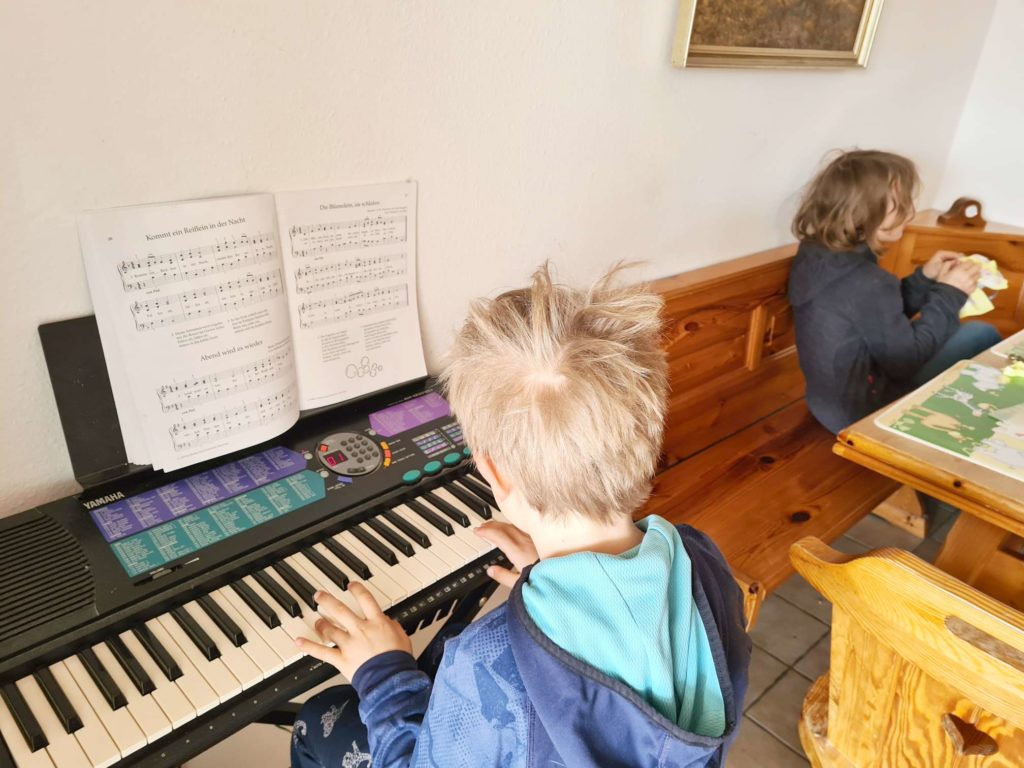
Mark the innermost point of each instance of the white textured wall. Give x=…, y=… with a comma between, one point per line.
x=987, y=158
x=535, y=129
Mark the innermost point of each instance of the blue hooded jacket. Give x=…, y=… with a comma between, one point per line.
x=506, y=695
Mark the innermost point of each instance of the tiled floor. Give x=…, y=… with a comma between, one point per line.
x=791, y=646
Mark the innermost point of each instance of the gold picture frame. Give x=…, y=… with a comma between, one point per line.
x=706, y=51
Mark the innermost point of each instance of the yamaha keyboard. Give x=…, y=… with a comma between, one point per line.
x=148, y=618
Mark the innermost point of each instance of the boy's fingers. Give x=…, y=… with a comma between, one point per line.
x=503, y=576
x=366, y=600
x=335, y=610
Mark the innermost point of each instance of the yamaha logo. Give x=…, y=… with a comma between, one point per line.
x=103, y=500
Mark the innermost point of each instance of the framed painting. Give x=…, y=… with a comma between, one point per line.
x=775, y=33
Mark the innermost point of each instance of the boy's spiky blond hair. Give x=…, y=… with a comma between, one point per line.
x=564, y=389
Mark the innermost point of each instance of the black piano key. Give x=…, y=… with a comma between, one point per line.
x=407, y=528
x=6, y=758
x=302, y=588
x=131, y=666
x=257, y=604
x=470, y=500
x=480, y=489
x=158, y=652
x=431, y=517
x=114, y=696
x=286, y=601
x=329, y=569
x=375, y=545
x=392, y=537
x=475, y=473
x=196, y=634
x=224, y=622
x=343, y=553
x=447, y=509
x=23, y=716
x=69, y=719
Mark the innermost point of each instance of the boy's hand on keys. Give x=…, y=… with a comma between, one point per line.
x=961, y=274
x=356, y=639
x=516, y=546
x=934, y=266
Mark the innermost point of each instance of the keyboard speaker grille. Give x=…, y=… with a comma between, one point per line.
x=43, y=575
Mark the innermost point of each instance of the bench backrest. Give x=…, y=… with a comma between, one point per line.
x=922, y=666
x=731, y=349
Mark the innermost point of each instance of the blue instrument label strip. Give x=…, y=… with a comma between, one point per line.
x=161, y=505
x=149, y=550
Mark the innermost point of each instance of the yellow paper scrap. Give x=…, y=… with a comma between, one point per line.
x=978, y=303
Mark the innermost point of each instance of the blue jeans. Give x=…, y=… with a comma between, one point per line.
x=970, y=339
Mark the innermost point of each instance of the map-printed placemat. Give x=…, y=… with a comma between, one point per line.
x=1011, y=347
x=970, y=411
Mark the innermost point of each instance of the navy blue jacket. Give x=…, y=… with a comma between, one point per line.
x=505, y=695
x=857, y=344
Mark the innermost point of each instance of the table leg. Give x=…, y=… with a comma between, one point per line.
x=969, y=545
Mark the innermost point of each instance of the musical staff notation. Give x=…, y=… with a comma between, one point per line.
x=317, y=239
x=357, y=269
x=162, y=269
x=204, y=302
x=354, y=304
x=213, y=386
x=207, y=429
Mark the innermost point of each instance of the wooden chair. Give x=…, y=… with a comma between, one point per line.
x=925, y=671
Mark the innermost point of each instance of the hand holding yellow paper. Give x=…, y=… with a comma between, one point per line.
x=978, y=303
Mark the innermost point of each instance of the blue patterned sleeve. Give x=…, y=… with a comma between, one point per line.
x=393, y=695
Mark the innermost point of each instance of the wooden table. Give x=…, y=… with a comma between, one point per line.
x=983, y=547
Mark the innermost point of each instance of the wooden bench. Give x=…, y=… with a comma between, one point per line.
x=744, y=461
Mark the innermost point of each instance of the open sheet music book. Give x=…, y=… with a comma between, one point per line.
x=222, y=318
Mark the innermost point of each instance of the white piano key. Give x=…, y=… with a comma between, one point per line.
x=319, y=579
x=423, y=555
x=292, y=625
x=144, y=709
x=240, y=665
x=457, y=541
x=255, y=647
x=276, y=639
x=309, y=617
x=409, y=584
x=413, y=565
x=466, y=534
x=391, y=589
x=16, y=744
x=97, y=744
x=195, y=687
x=215, y=672
x=172, y=701
x=119, y=723
x=382, y=600
x=453, y=558
x=63, y=749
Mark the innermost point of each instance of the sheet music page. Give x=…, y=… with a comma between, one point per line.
x=191, y=307
x=350, y=263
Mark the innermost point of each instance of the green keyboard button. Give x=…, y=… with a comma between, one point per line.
x=451, y=459
x=432, y=467
x=466, y=452
x=412, y=476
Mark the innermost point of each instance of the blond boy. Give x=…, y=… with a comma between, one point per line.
x=622, y=642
